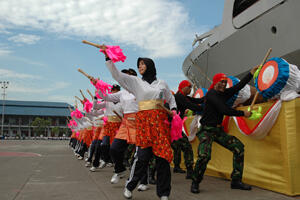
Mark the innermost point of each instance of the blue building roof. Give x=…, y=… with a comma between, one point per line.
x=35, y=108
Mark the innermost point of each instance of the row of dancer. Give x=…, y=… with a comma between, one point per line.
x=152, y=134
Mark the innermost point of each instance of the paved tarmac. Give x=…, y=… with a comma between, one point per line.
x=48, y=170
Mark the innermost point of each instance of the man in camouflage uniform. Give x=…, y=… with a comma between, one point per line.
x=184, y=102
x=211, y=130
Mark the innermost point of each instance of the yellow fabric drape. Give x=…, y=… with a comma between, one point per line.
x=272, y=163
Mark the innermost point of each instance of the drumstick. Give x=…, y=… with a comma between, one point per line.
x=85, y=74
x=117, y=114
x=92, y=44
x=167, y=110
x=78, y=99
x=262, y=63
x=82, y=94
x=90, y=93
x=70, y=109
x=76, y=104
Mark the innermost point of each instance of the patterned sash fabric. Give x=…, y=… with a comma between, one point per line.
x=127, y=130
x=153, y=130
x=88, y=136
x=97, y=132
x=110, y=129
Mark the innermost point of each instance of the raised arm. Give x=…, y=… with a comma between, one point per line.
x=128, y=82
x=98, y=106
x=115, y=97
x=222, y=108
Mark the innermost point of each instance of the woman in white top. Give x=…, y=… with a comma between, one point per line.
x=153, y=133
x=127, y=131
x=113, y=112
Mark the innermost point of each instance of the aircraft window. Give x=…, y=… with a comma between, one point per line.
x=241, y=5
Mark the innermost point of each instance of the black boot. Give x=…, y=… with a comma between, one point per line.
x=152, y=180
x=189, y=173
x=195, y=187
x=240, y=185
x=177, y=169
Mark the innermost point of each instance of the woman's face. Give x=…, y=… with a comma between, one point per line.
x=142, y=67
x=221, y=86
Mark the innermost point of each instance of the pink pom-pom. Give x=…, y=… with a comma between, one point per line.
x=114, y=53
x=72, y=113
x=88, y=106
x=105, y=88
x=105, y=119
x=77, y=134
x=78, y=114
x=176, y=127
x=74, y=123
x=97, y=95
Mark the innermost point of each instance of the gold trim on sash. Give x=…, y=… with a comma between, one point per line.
x=150, y=104
x=89, y=128
x=113, y=119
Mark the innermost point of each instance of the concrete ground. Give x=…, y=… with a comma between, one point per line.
x=48, y=170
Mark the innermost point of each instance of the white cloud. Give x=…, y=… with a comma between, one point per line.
x=12, y=74
x=5, y=52
x=157, y=26
x=19, y=87
x=25, y=38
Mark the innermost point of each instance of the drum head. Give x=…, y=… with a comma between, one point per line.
x=272, y=77
x=201, y=92
x=229, y=82
x=268, y=75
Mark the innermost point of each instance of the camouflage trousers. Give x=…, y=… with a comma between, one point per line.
x=183, y=145
x=208, y=135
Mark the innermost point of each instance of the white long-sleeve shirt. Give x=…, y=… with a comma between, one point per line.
x=93, y=114
x=127, y=100
x=142, y=90
x=82, y=123
x=110, y=107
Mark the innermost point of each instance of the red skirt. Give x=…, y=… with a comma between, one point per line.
x=97, y=133
x=153, y=130
x=110, y=129
x=88, y=136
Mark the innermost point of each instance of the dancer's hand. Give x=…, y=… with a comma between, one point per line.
x=253, y=70
x=93, y=80
x=247, y=114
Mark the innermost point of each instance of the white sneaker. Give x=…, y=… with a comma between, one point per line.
x=93, y=169
x=127, y=194
x=116, y=177
x=164, y=198
x=80, y=158
x=109, y=165
x=86, y=159
x=142, y=187
x=88, y=164
x=102, y=164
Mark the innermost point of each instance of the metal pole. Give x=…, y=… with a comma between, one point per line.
x=4, y=85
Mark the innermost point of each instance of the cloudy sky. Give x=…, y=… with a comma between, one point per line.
x=41, y=49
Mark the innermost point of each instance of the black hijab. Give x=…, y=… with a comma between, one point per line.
x=150, y=73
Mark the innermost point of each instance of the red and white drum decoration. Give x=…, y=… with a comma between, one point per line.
x=201, y=92
x=277, y=76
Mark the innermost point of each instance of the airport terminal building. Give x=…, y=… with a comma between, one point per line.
x=19, y=115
